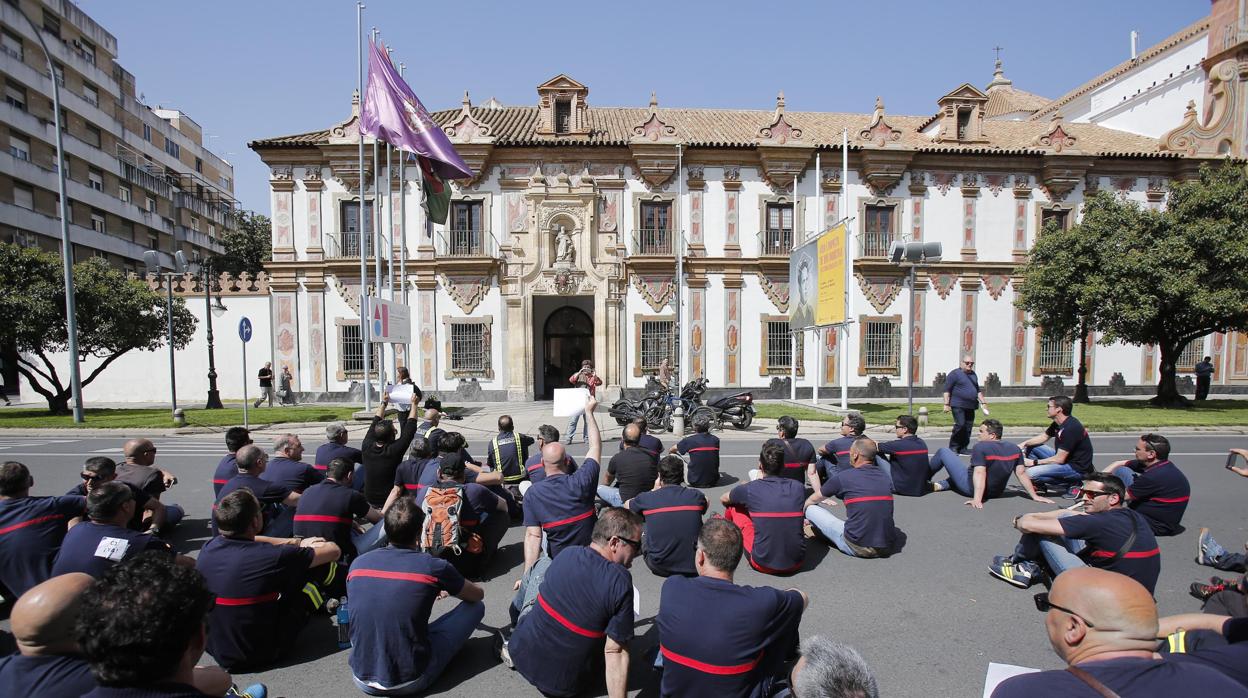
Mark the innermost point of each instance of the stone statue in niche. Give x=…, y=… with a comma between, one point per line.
x=565, y=254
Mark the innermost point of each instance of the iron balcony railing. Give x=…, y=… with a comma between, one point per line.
x=775, y=242
x=346, y=245
x=466, y=242
x=875, y=243
x=652, y=241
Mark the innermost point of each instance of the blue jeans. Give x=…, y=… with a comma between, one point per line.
x=887, y=466
x=174, y=513
x=571, y=431
x=447, y=636
x=1125, y=474
x=371, y=539
x=1058, y=551
x=959, y=479
x=610, y=495
x=830, y=526
x=530, y=584
x=1057, y=474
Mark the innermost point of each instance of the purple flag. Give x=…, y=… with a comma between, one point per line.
x=393, y=113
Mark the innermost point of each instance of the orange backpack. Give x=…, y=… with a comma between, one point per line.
x=441, y=529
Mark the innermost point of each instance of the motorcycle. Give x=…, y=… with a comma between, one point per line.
x=736, y=409
x=690, y=401
x=625, y=410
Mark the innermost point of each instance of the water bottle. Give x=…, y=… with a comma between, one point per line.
x=343, y=618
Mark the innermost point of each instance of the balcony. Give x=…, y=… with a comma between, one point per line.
x=652, y=242
x=346, y=245
x=875, y=243
x=140, y=176
x=197, y=238
x=466, y=243
x=775, y=243
x=221, y=214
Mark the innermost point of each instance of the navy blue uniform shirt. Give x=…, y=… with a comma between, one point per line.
x=1129, y=676
x=563, y=506
x=270, y=494
x=868, y=499
x=703, y=452
x=328, y=511
x=673, y=517
x=798, y=453
x=911, y=466
x=328, y=451
x=294, y=475
x=775, y=507
x=31, y=531
x=998, y=459
x=93, y=548
x=226, y=469
x=507, y=452
x=45, y=675
x=1073, y=438
x=1160, y=492
x=1106, y=532
x=963, y=388
x=537, y=471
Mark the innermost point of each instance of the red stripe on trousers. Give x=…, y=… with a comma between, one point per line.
x=711, y=668
x=567, y=623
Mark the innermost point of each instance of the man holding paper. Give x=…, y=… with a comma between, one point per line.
x=584, y=378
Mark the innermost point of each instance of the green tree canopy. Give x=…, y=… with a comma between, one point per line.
x=115, y=315
x=248, y=247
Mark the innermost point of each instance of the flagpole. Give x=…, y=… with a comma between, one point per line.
x=849, y=264
x=389, y=238
x=819, y=223
x=407, y=347
x=364, y=320
x=680, y=271
x=793, y=331
x=377, y=236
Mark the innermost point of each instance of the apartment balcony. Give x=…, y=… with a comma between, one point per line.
x=218, y=213
x=61, y=50
x=776, y=242
x=874, y=243
x=50, y=226
x=138, y=175
x=198, y=239
x=652, y=242
x=466, y=243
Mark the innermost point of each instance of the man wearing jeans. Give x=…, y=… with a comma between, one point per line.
x=1106, y=534
x=1071, y=458
x=962, y=396
x=395, y=650
x=1155, y=486
x=992, y=462
x=869, y=530
x=584, y=378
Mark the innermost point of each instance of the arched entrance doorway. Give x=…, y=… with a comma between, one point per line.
x=568, y=338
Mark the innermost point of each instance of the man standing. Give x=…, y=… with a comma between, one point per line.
x=1204, y=376
x=584, y=378
x=631, y=470
x=266, y=383
x=508, y=451
x=769, y=513
x=797, y=452
x=235, y=438
x=286, y=467
x=31, y=530
x=963, y=396
x=992, y=463
x=383, y=450
x=329, y=509
x=1155, y=486
x=834, y=456
x=395, y=650
x=285, y=388
x=1106, y=534
x=263, y=585
x=583, y=619
x=717, y=638
x=1072, y=458
x=702, y=448
x=673, y=517
x=140, y=470
x=1104, y=626
x=103, y=540
x=905, y=460
x=869, y=530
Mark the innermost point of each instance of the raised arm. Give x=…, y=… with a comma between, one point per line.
x=595, y=436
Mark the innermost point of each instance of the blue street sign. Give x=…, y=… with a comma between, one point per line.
x=244, y=330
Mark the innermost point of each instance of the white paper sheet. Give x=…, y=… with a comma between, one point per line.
x=401, y=396
x=570, y=401
x=1000, y=672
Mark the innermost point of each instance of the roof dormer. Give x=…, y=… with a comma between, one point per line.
x=562, y=109
x=962, y=116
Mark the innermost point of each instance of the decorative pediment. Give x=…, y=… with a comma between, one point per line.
x=779, y=131
x=1057, y=138
x=781, y=150
x=966, y=92
x=466, y=291
x=1216, y=133
x=657, y=290
x=562, y=99
x=562, y=82
x=943, y=283
x=883, y=169
x=1061, y=174
x=776, y=286
x=995, y=284
x=880, y=291
x=653, y=129
x=879, y=133
x=348, y=131
x=473, y=139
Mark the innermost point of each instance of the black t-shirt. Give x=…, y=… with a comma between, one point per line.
x=703, y=451
x=911, y=467
x=327, y=511
x=673, y=517
x=634, y=472
x=1073, y=438
x=381, y=460
x=1129, y=677
x=1106, y=532
x=266, y=377
x=797, y=454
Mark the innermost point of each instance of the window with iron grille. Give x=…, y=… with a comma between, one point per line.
x=881, y=350
x=1056, y=354
x=877, y=230
x=779, y=346
x=778, y=238
x=658, y=342
x=468, y=348
x=654, y=235
x=464, y=236
x=1192, y=353
x=351, y=350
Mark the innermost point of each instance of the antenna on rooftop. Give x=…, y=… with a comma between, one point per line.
x=1135, y=38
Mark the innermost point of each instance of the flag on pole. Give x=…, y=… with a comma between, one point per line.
x=436, y=198
x=393, y=113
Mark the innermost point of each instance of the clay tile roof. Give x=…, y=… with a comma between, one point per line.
x=1004, y=99
x=1150, y=53
x=309, y=138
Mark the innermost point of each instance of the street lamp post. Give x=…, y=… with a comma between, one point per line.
x=214, y=395
x=913, y=255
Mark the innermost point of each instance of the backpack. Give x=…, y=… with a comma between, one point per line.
x=441, y=530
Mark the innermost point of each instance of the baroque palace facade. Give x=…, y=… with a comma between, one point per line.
x=562, y=246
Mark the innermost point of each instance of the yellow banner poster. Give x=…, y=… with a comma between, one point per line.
x=830, y=309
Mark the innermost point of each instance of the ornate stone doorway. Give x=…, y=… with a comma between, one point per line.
x=567, y=338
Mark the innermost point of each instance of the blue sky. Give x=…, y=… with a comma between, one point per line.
x=261, y=68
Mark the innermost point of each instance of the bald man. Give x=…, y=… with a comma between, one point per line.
x=1104, y=626
x=47, y=663
x=140, y=470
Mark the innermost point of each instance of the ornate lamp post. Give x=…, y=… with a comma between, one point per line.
x=214, y=395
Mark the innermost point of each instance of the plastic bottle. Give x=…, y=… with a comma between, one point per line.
x=343, y=624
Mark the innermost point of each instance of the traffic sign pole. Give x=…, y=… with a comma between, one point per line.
x=244, y=333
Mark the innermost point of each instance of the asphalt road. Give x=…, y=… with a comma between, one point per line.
x=928, y=620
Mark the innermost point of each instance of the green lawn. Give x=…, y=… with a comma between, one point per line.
x=161, y=419
x=1101, y=415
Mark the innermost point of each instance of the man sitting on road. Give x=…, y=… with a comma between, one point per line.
x=798, y=453
x=1104, y=626
x=830, y=669
x=630, y=472
x=546, y=434
x=869, y=530
x=1209, y=552
x=336, y=446
x=1106, y=534
x=905, y=459
x=149, y=513
x=769, y=513
x=1212, y=640
x=584, y=610
x=508, y=452
x=383, y=450
x=415, y=474
x=702, y=448
x=718, y=638
x=430, y=429
x=140, y=470
x=48, y=662
x=646, y=442
x=31, y=530
x=235, y=438
x=264, y=586
x=482, y=517
x=1064, y=466
x=834, y=455
x=287, y=468
x=330, y=508
x=992, y=462
x=1155, y=486
x=395, y=650
x=95, y=545
x=673, y=517
x=277, y=503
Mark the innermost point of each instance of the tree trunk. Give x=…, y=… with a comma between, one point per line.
x=59, y=404
x=1081, y=388
x=1167, y=387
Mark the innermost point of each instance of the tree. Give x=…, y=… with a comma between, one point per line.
x=1165, y=277
x=115, y=315
x=248, y=247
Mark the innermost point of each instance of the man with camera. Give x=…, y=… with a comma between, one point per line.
x=584, y=378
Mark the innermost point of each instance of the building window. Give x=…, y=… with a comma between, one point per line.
x=153, y=242
x=1192, y=353
x=778, y=237
x=97, y=221
x=1059, y=216
x=964, y=123
x=86, y=50
x=881, y=345
x=58, y=72
x=225, y=181
x=95, y=179
x=23, y=197
x=878, y=230
x=1055, y=355
x=11, y=44
x=657, y=341
x=172, y=148
x=123, y=193
x=563, y=116
x=467, y=348
x=779, y=346
x=23, y=238
x=151, y=205
x=94, y=136
x=199, y=165
x=349, y=235
x=655, y=236
x=466, y=232
x=147, y=132
x=91, y=94
x=351, y=350
x=52, y=24
x=195, y=223
x=15, y=95
x=19, y=146
x=64, y=121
